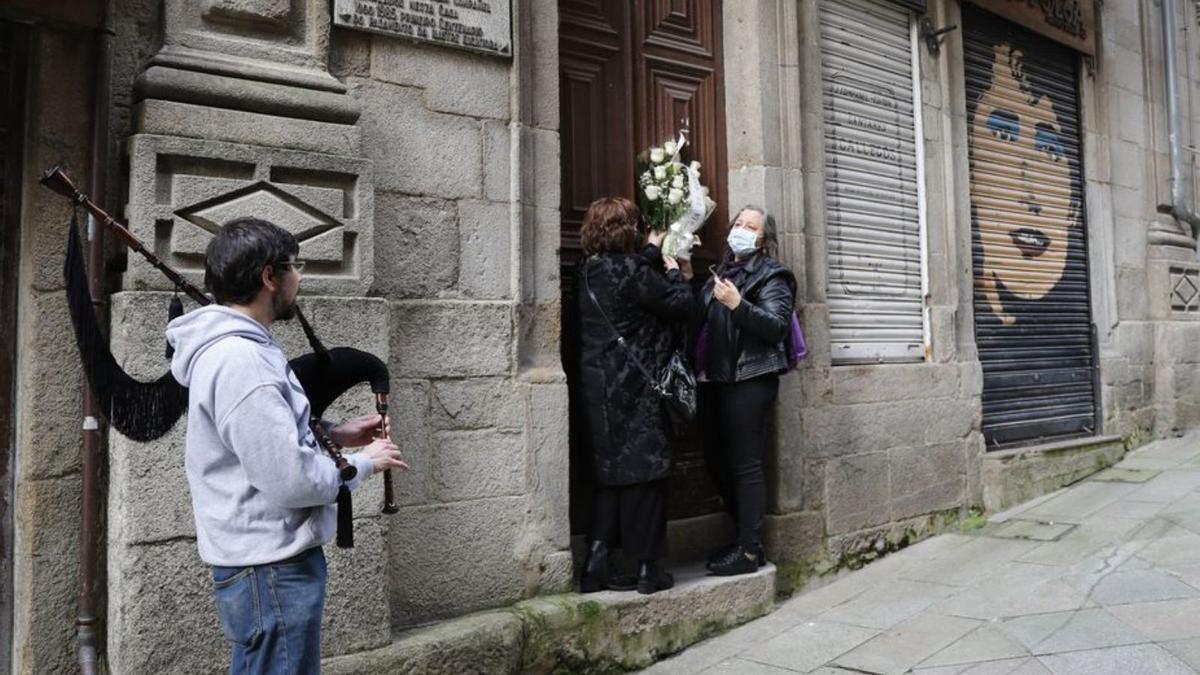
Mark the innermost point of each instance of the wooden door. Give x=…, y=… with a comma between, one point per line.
x=629, y=74
x=14, y=61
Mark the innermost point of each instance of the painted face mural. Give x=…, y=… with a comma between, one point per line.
x=1024, y=207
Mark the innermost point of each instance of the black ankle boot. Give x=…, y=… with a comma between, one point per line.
x=739, y=560
x=721, y=553
x=595, y=569
x=652, y=579
x=598, y=573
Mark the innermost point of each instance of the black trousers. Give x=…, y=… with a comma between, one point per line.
x=633, y=517
x=736, y=419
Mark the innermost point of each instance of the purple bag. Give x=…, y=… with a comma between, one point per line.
x=796, y=349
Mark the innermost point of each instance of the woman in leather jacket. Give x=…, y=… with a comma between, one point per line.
x=741, y=349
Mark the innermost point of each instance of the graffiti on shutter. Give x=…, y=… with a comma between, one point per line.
x=872, y=183
x=1032, y=313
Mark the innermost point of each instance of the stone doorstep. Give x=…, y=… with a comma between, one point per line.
x=609, y=630
x=1016, y=475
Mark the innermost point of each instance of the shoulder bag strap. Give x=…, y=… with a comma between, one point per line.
x=620, y=340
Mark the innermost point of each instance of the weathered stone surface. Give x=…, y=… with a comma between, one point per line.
x=541, y=185
x=171, y=118
x=926, y=479
x=51, y=390
x=482, y=643
x=417, y=243
x=1012, y=477
x=478, y=403
x=158, y=595
x=857, y=491
x=793, y=536
x=893, y=382
x=449, y=339
x=44, y=586
x=497, y=161
x=482, y=535
x=357, y=613
x=839, y=430
x=450, y=81
x=417, y=151
x=349, y=53
x=408, y=409
x=549, y=443
x=478, y=464
x=485, y=268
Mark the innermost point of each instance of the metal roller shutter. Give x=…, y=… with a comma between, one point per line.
x=873, y=182
x=1032, y=313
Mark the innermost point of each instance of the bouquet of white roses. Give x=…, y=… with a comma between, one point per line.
x=671, y=196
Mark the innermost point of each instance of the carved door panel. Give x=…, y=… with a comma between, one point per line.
x=678, y=76
x=629, y=73
x=14, y=61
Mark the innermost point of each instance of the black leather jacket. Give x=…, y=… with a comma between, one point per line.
x=749, y=341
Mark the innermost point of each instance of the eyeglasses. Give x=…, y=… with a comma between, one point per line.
x=297, y=265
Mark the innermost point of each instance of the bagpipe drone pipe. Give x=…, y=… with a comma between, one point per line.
x=144, y=411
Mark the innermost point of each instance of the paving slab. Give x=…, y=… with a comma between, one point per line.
x=1134, y=586
x=1162, y=621
x=1187, y=651
x=1018, y=666
x=888, y=605
x=1033, y=530
x=985, y=643
x=1114, y=588
x=1091, y=628
x=1129, y=660
x=809, y=645
x=906, y=645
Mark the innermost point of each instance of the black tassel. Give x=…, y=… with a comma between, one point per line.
x=141, y=411
x=173, y=312
x=345, y=519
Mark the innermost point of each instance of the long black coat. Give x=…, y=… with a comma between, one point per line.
x=631, y=442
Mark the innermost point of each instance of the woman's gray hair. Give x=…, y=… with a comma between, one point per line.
x=770, y=230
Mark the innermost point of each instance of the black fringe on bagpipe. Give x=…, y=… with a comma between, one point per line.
x=141, y=411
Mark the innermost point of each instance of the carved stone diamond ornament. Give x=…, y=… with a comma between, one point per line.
x=184, y=190
x=1185, y=289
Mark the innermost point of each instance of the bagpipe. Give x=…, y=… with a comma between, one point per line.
x=144, y=411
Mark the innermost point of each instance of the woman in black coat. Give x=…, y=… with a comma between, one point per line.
x=632, y=298
x=741, y=350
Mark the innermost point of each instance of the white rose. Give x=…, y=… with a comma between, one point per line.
x=652, y=192
x=695, y=166
x=670, y=148
x=677, y=181
x=675, y=227
x=675, y=196
x=660, y=173
x=656, y=155
x=703, y=191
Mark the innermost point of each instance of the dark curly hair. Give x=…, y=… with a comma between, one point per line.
x=610, y=225
x=235, y=258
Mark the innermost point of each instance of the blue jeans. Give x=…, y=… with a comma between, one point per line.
x=271, y=614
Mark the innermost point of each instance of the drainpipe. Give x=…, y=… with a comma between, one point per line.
x=1181, y=184
x=87, y=646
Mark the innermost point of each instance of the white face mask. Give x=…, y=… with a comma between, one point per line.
x=742, y=241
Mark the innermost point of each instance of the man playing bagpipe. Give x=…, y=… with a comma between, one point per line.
x=262, y=489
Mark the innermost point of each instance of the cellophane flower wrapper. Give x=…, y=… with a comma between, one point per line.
x=672, y=198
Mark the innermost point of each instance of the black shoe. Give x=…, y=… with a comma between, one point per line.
x=598, y=574
x=722, y=552
x=595, y=570
x=652, y=579
x=738, y=560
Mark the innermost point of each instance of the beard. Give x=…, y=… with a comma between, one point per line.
x=284, y=310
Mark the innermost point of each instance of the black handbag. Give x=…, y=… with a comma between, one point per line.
x=675, y=384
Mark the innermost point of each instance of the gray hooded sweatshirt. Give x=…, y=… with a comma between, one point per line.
x=262, y=490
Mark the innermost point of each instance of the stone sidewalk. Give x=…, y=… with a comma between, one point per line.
x=1101, y=577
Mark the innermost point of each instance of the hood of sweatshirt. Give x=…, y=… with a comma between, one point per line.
x=191, y=334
